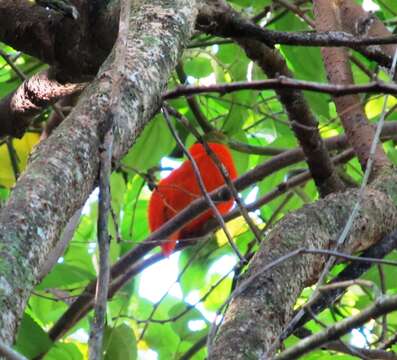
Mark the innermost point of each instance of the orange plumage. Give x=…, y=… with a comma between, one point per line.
x=180, y=188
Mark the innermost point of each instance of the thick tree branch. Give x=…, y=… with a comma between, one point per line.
x=64, y=167
x=102, y=283
x=360, y=133
x=215, y=18
x=258, y=315
x=303, y=121
x=29, y=100
x=355, y=20
x=104, y=198
x=283, y=83
x=75, y=47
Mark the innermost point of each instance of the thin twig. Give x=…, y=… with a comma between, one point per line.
x=193, y=104
x=11, y=63
x=60, y=246
x=13, y=157
x=382, y=279
x=102, y=285
x=382, y=305
x=9, y=353
x=177, y=280
x=362, y=353
x=194, y=349
x=345, y=284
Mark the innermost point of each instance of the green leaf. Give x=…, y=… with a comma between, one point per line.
x=154, y=143
x=219, y=294
x=386, y=6
x=390, y=273
x=241, y=160
x=80, y=251
x=306, y=63
x=64, y=351
x=198, y=67
x=195, y=275
x=228, y=53
x=162, y=339
x=44, y=309
x=118, y=187
x=181, y=325
x=4, y=194
x=120, y=343
x=257, y=4
x=32, y=340
x=64, y=275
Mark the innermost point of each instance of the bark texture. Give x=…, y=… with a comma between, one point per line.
x=350, y=110
x=64, y=168
x=77, y=47
x=303, y=121
x=29, y=100
x=357, y=21
x=257, y=316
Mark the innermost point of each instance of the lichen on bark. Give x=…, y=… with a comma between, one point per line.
x=63, y=169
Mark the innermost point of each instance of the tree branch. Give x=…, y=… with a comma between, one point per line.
x=216, y=18
x=382, y=305
x=63, y=169
x=280, y=83
x=303, y=121
x=258, y=314
x=29, y=100
x=350, y=110
x=74, y=47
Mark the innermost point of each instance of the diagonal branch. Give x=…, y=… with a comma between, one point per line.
x=104, y=202
x=258, y=314
x=215, y=17
x=131, y=264
x=29, y=100
x=354, y=120
x=64, y=168
x=382, y=305
x=303, y=121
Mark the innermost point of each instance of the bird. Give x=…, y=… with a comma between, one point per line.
x=176, y=191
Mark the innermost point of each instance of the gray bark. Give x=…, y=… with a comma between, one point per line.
x=257, y=316
x=63, y=169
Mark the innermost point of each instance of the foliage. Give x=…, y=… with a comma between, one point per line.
x=252, y=117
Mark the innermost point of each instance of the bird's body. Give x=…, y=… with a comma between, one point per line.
x=180, y=188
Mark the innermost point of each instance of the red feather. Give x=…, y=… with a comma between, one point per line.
x=180, y=188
